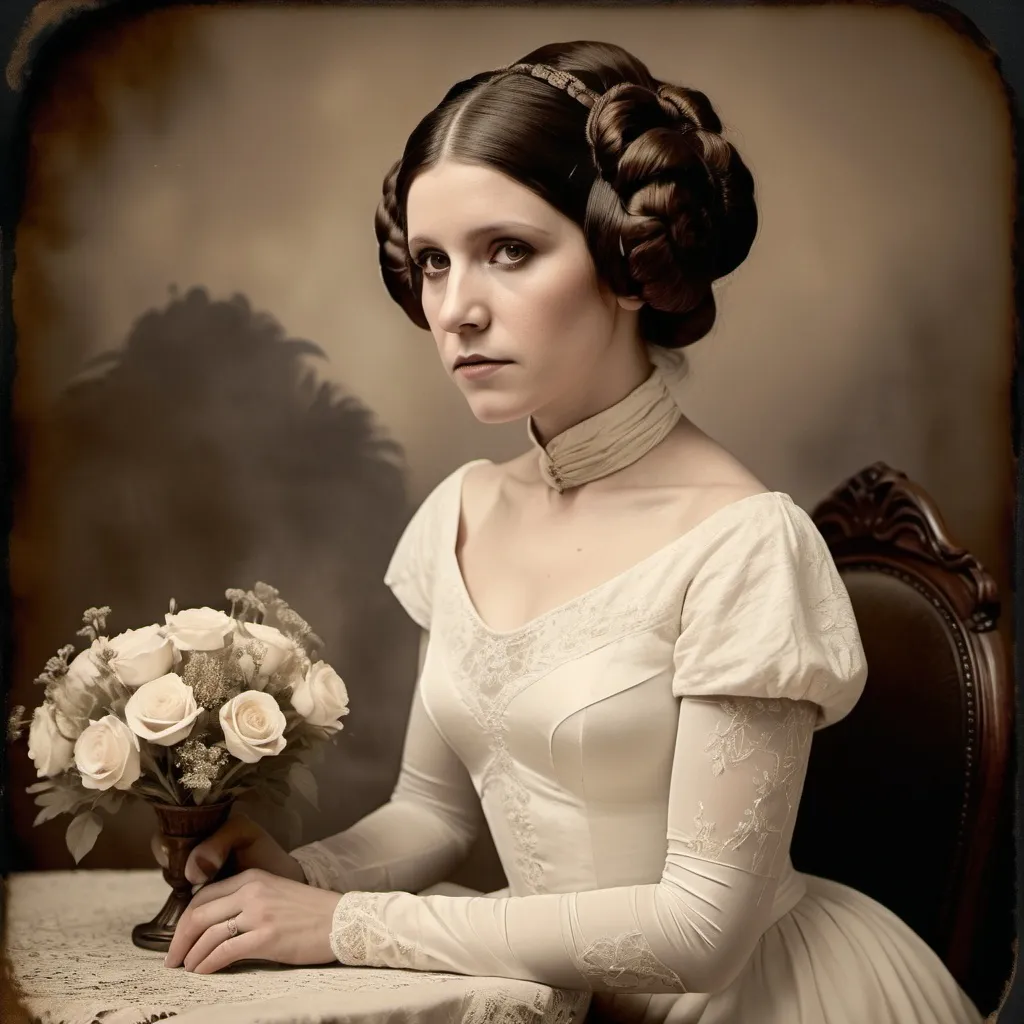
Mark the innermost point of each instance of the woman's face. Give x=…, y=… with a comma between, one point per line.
x=509, y=279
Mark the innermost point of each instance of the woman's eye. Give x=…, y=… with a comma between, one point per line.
x=509, y=254
x=432, y=262
x=516, y=253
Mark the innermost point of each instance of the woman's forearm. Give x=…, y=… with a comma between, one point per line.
x=405, y=845
x=418, y=837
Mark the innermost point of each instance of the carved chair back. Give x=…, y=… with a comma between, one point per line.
x=902, y=797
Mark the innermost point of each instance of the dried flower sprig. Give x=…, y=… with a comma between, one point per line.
x=245, y=605
x=205, y=673
x=264, y=602
x=266, y=593
x=295, y=626
x=56, y=667
x=95, y=620
x=202, y=764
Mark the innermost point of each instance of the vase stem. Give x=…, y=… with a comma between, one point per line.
x=181, y=829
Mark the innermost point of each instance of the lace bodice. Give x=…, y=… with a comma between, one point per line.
x=637, y=753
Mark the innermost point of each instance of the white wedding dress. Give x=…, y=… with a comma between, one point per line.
x=638, y=755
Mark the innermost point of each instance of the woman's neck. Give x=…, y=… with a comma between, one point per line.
x=620, y=432
x=613, y=387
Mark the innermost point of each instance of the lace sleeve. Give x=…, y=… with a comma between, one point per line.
x=740, y=807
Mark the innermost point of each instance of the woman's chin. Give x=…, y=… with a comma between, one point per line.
x=494, y=409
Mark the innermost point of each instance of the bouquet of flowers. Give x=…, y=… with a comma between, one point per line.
x=206, y=707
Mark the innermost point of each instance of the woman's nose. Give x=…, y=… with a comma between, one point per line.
x=464, y=306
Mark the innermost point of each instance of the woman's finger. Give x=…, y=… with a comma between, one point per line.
x=217, y=934
x=194, y=923
x=244, y=946
x=225, y=887
x=208, y=857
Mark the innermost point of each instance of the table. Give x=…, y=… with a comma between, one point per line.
x=71, y=955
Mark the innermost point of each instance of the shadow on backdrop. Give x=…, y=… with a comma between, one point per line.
x=206, y=454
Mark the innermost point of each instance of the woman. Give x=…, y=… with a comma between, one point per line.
x=630, y=640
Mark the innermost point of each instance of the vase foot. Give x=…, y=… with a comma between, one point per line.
x=157, y=933
x=152, y=936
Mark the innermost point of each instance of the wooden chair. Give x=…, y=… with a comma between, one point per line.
x=905, y=798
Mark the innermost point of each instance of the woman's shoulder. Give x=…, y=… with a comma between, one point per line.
x=692, y=457
x=447, y=490
x=481, y=480
x=436, y=508
x=738, y=520
x=709, y=480
x=411, y=572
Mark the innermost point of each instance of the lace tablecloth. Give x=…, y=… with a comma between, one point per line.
x=70, y=949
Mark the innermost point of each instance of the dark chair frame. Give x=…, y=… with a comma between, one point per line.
x=879, y=520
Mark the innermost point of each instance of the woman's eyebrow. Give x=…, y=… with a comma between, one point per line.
x=505, y=227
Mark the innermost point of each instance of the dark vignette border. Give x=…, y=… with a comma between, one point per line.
x=33, y=33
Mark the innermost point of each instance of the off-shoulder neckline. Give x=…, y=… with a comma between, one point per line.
x=452, y=532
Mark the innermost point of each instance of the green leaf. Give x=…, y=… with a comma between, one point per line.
x=111, y=801
x=82, y=833
x=51, y=796
x=274, y=790
x=40, y=787
x=58, y=801
x=316, y=752
x=301, y=779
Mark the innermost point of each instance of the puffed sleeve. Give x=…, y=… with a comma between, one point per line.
x=768, y=615
x=781, y=651
x=434, y=813
x=410, y=573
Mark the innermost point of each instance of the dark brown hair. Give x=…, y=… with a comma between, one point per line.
x=666, y=204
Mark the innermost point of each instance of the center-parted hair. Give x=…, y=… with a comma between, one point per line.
x=665, y=202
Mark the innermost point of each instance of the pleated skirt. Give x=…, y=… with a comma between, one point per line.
x=838, y=957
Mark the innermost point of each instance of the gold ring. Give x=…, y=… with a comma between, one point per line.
x=232, y=927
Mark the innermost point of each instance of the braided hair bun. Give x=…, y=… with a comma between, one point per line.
x=672, y=208
x=397, y=269
x=665, y=202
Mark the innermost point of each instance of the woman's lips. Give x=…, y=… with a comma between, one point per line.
x=479, y=370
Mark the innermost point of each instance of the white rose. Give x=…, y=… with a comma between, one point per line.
x=141, y=655
x=321, y=697
x=278, y=649
x=253, y=726
x=107, y=755
x=84, y=668
x=198, y=629
x=75, y=696
x=50, y=752
x=163, y=710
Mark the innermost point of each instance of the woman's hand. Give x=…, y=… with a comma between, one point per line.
x=277, y=919
x=248, y=844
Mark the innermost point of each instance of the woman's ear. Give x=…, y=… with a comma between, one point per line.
x=629, y=302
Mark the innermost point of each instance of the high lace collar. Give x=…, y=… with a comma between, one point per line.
x=617, y=436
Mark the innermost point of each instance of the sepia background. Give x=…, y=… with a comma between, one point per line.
x=213, y=386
